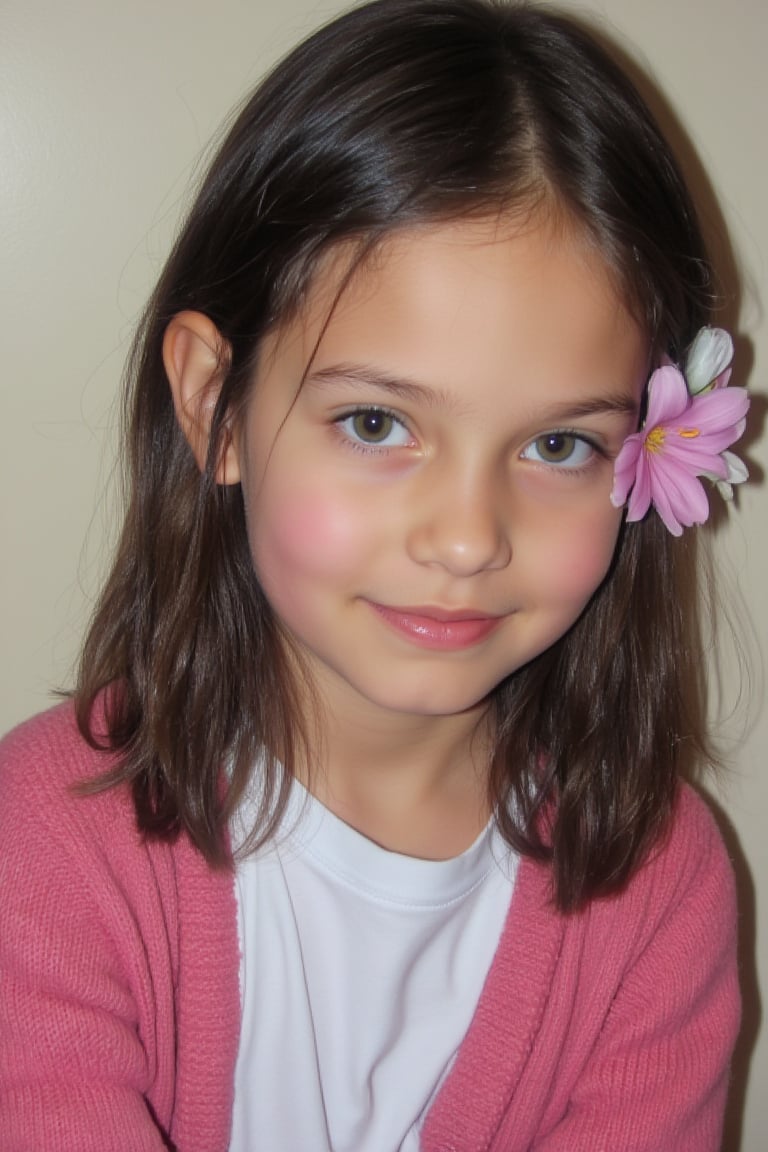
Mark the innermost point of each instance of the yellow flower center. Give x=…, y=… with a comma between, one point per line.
x=654, y=441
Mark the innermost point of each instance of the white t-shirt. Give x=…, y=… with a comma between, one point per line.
x=360, y=972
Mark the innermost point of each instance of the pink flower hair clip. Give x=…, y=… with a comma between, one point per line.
x=692, y=420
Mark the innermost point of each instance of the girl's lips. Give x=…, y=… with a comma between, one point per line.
x=437, y=628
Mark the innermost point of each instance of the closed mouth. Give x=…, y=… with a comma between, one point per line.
x=433, y=627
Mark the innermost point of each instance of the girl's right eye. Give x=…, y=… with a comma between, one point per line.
x=374, y=428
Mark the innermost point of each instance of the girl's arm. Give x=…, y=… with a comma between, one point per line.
x=609, y=1030
x=658, y=1076
x=83, y=1015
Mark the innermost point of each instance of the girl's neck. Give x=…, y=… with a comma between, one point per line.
x=417, y=785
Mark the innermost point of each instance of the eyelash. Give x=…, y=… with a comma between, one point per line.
x=369, y=447
x=595, y=450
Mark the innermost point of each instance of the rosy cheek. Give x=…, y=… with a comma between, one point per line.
x=303, y=531
x=585, y=574
x=582, y=557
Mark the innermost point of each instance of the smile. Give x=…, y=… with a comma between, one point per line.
x=437, y=628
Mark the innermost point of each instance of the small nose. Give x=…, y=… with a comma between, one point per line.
x=457, y=523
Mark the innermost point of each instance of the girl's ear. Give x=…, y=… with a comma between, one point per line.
x=196, y=358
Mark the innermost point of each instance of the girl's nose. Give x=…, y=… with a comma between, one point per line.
x=459, y=527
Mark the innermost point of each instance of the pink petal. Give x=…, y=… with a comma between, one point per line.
x=625, y=468
x=672, y=487
x=667, y=397
x=693, y=456
x=688, y=498
x=715, y=410
x=677, y=443
x=664, y=509
x=640, y=496
x=679, y=498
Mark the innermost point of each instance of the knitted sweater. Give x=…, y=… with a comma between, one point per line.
x=119, y=1001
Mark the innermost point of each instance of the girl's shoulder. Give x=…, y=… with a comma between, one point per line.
x=97, y=922
x=63, y=838
x=692, y=846
x=685, y=887
x=60, y=826
x=679, y=910
x=44, y=764
x=685, y=890
x=49, y=736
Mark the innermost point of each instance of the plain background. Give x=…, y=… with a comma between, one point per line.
x=105, y=109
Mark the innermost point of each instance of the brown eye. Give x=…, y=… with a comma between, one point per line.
x=372, y=426
x=375, y=428
x=556, y=447
x=563, y=449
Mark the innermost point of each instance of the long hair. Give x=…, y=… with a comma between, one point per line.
x=399, y=112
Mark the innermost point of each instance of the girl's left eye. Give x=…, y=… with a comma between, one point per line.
x=374, y=428
x=560, y=449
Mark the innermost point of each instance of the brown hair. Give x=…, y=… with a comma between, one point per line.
x=400, y=111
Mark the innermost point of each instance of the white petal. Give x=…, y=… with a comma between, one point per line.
x=737, y=469
x=737, y=474
x=709, y=355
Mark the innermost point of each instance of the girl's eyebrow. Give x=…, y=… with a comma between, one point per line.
x=611, y=403
x=393, y=385
x=620, y=403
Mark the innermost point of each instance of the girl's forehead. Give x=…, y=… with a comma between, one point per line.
x=465, y=294
x=491, y=262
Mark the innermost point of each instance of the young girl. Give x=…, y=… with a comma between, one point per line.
x=364, y=829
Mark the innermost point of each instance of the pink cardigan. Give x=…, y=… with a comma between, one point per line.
x=119, y=1003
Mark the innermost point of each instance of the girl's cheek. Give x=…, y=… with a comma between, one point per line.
x=305, y=529
x=580, y=556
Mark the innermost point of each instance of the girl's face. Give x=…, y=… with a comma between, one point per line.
x=430, y=509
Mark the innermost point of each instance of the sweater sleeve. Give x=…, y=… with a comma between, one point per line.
x=657, y=1076
x=78, y=1060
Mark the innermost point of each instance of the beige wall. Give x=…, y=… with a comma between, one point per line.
x=104, y=108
